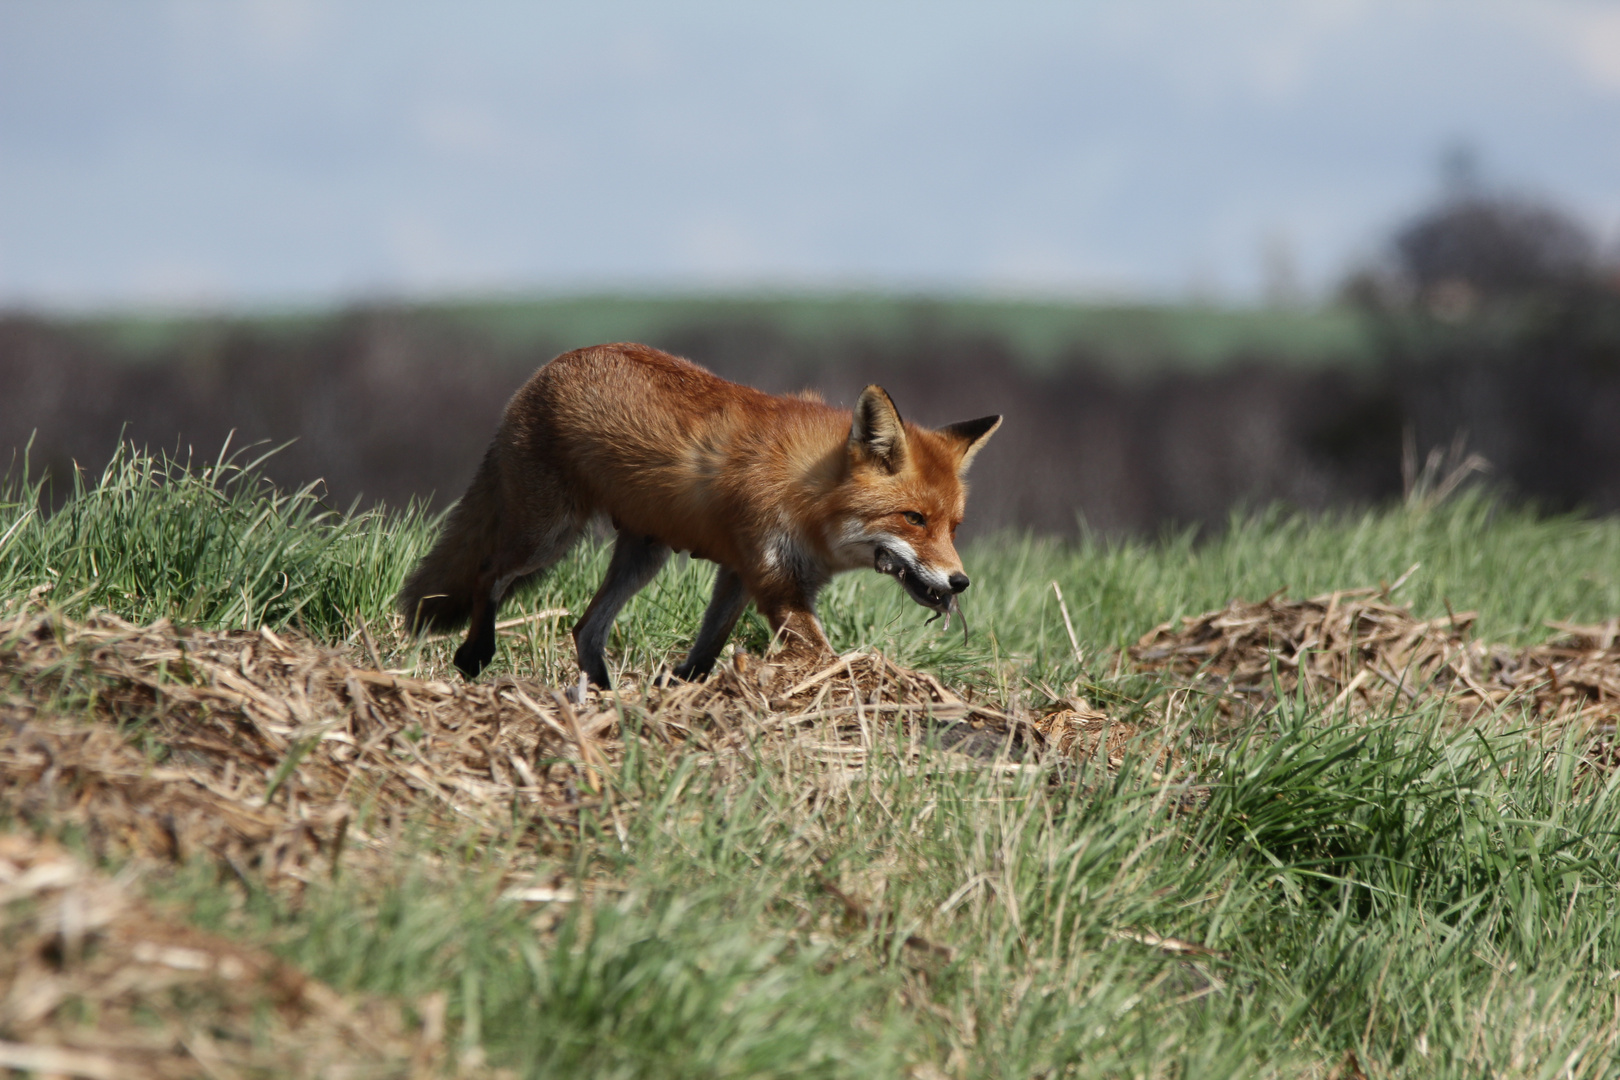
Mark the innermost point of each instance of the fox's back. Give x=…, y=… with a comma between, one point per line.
x=664, y=446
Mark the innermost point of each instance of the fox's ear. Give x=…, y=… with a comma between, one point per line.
x=970, y=437
x=877, y=434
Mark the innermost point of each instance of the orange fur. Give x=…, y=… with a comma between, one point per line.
x=782, y=492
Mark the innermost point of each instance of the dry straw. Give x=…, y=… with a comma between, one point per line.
x=1362, y=653
x=286, y=760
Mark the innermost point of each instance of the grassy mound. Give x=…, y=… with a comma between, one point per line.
x=1134, y=826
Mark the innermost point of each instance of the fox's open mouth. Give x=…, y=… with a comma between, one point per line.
x=887, y=562
x=940, y=601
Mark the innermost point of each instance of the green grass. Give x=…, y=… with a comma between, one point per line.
x=1443, y=903
x=213, y=544
x=1516, y=568
x=1439, y=905
x=207, y=543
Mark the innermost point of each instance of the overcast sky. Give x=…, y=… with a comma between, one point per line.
x=254, y=153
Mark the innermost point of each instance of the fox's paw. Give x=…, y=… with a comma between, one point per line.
x=472, y=658
x=687, y=671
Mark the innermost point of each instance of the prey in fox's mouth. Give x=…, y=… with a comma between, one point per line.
x=942, y=602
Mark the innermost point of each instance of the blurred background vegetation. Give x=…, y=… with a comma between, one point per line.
x=1486, y=329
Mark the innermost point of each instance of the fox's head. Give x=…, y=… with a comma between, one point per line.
x=905, y=498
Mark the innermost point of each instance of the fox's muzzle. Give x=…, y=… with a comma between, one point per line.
x=940, y=600
x=935, y=600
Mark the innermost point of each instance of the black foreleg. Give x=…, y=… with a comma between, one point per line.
x=726, y=606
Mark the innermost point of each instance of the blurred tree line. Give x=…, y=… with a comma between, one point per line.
x=1491, y=272
x=1496, y=318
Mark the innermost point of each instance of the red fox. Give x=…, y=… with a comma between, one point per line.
x=781, y=492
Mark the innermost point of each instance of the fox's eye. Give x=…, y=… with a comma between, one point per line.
x=914, y=518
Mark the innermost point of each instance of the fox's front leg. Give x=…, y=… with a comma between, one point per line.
x=725, y=607
x=795, y=626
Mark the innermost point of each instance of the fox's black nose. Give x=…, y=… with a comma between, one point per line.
x=958, y=582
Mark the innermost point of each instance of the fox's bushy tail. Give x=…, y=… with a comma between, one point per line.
x=439, y=593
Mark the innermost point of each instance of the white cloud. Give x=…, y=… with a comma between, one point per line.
x=1032, y=266
x=1588, y=34
x=285, y=27
x=276, y=31
x=179, y=281
x=719, y=246
x=423, y=253
x=1266, y=50
x=1286, y=44
x=461, y=129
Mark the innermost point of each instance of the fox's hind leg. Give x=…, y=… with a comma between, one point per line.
x=636, y=561
x=725, y=608
x=521, y=558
